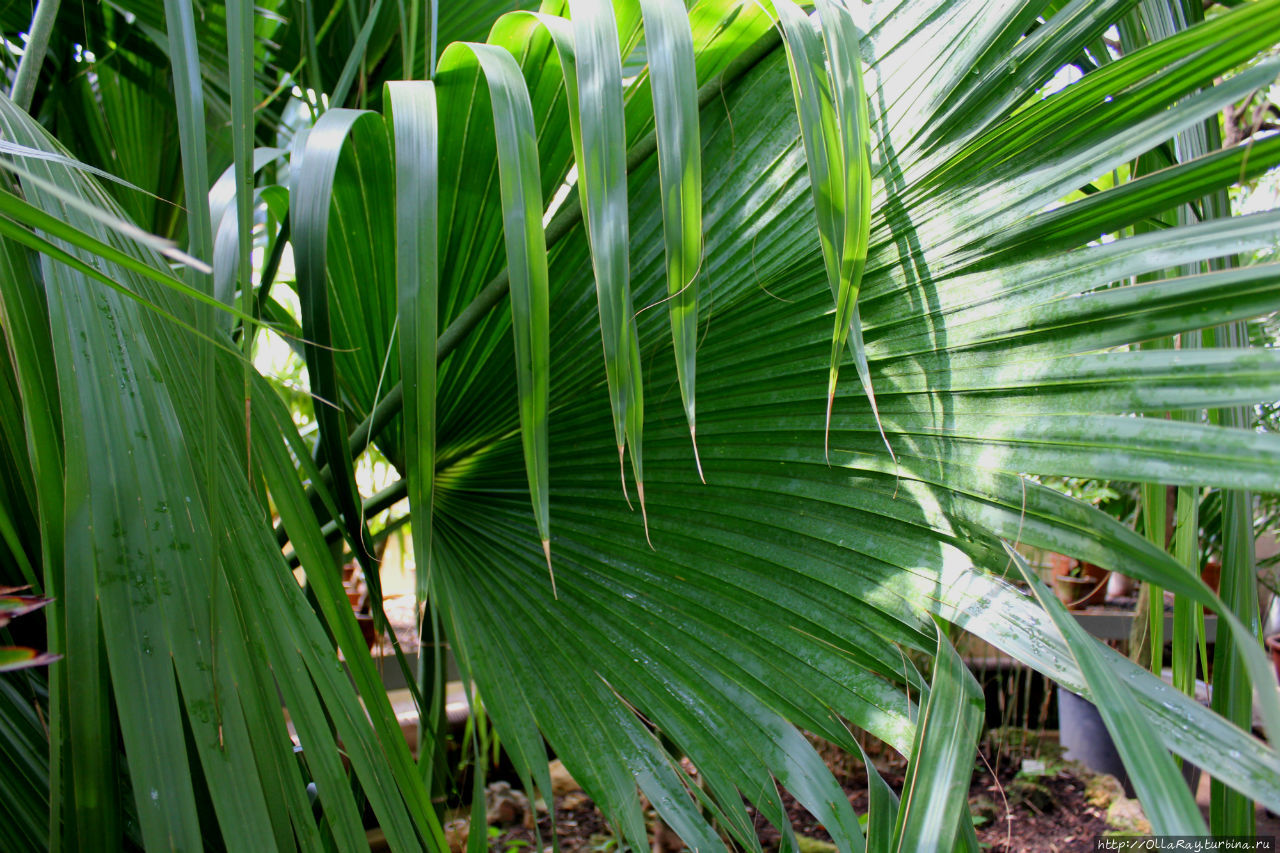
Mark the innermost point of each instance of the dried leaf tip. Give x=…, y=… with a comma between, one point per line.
x=697, y=460
x=622, y=469
x=875, y=411
x=643, y=514
x=826, y=431
x=546, y=549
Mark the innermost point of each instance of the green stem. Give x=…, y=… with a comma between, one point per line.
x=389, y=496
x=24, y=82
x=433, y=19
x=272, y=267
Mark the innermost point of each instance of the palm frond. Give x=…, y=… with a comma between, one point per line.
x=795, y=586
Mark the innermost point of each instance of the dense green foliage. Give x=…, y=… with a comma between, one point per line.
x=893, y=205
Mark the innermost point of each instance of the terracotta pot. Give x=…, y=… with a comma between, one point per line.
x=1211, y=574
x=1087, y=590
x=351, y=585
x=365, y=622
x=1061, y=564
x=1273, y=647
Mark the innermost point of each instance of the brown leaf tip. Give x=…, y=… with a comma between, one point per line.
x=643, y=514
x=546, y=550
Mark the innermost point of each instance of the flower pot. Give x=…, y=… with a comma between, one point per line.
x=1061, y=564
x=365, y=622
x=1082, y=586
x=1273, y=648
x=1084, y=738
x=1211, y=574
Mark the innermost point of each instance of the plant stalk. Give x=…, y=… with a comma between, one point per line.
x=24, y=82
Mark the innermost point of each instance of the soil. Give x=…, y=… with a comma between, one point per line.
x=1044, y=812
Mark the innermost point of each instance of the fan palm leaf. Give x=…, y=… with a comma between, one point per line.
x=801, y=584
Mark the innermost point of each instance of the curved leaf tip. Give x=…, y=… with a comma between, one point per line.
x=546, y=550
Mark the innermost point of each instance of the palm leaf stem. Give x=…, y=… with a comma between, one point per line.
x=381, y=500
x=272, y=267
x=433, y=17
x=24, y=82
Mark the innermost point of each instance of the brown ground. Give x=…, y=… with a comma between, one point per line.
x=1038, y=814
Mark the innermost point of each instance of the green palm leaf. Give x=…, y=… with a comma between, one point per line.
x=600, y=150
x=236, y=718
x=1172, y=808
x=413, y=120
x=526, y=260
x=935, y=796
x=674, y=83
x=314, y=196
x=782, y=593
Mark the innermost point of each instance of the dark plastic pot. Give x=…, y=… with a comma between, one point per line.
x=1085, y=738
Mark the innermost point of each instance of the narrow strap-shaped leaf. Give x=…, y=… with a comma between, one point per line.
x=231, y=262
x=240, y=54
x=99, y=543
x=622, y=367
x=119, y=224
x=477, y=840
x=14, y=208
x=602, y=183
x=188, y=91
x=12, y=149
x=674, y=81
x=1165, y=798
x=1236, y=684
x=28, y=339
x=411, y=115
x=994, y=608
x=189, y=98
x=356, y=57
x=520, y=184
x=23, y=237
x=161, y=599
x=412, y=119
x=1188, y=618
x=223, y=192
x=635, y=419
x=279, y=770
x=9, y=535
x=313, y=193
x=1145, y=196
x=882, y=807
x=33, y=54
x=811, y=90
x=381, y=756
x=835, y=127
x=853, y=118
x=936, y=790
x=25, y=758
x=226, y=263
